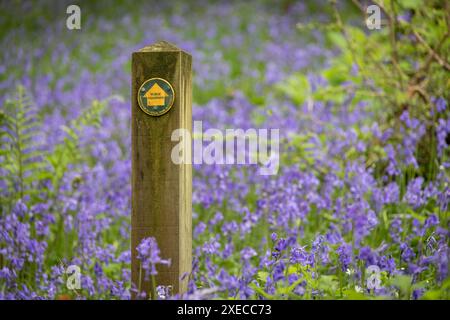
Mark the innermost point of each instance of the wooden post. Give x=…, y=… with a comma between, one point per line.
x=161, y=190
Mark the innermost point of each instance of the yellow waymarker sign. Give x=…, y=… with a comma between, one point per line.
x=156, y=96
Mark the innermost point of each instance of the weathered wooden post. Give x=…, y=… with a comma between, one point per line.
x=161, y=189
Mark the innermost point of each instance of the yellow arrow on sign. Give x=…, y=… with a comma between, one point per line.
x=155, y=96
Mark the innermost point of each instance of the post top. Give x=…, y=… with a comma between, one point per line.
x=161, y=46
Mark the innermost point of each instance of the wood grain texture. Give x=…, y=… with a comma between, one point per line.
x=162, y=190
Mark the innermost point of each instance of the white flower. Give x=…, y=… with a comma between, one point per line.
x=350, y=271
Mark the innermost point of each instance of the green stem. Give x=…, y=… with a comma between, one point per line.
x=140, y=279
x=153, y=289
x=340, y=280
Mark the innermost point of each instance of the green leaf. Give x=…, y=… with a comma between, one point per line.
x=354, y=295
x=296, y=87
x=337, y=74
x=410, y=4
x=403, y=282
x=262, y=276
x=261, y=291
x=337, y=39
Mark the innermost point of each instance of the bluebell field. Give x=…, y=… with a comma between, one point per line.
x=364, y=155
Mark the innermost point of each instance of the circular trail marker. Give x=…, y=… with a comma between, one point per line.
x=156, y=96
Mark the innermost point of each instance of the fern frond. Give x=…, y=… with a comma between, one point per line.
x=24, y=163
x=19, y=127
x=68, y=151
